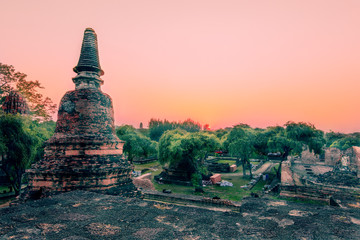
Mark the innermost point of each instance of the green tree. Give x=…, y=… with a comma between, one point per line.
x=240, y=143
x=40, y=106
x=294, y=137
x=331, y=137
x=41, y=131
x=188, y=151
x=346, y=142
x=136, y=144
x=261, y=140
x=16, y=149
x=342, y=141
x=158, y=127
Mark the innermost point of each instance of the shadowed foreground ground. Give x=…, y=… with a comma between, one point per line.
x=85, y=215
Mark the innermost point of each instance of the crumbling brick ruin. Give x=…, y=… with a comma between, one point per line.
x=15, y=103
x=84, y=152
x=337, y=177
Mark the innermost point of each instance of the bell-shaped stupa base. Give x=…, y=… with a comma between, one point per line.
x=84, y=153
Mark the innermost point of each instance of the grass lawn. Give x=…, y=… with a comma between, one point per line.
x=235, y=193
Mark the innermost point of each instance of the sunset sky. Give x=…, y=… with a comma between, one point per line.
x=217, y=62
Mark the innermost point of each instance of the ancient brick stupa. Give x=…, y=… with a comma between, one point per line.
x=84, y=152
x=15, y=103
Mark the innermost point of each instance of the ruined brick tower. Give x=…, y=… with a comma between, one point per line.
x=15, y=103
x=84, y=152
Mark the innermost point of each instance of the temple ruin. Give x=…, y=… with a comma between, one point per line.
x=15, y=103
x=84, y=152
x=334, y=178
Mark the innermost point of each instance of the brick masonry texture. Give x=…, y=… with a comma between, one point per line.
x=84, y=152
x=15, y=103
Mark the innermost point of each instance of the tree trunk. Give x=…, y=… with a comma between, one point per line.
x=14, y=182
x=278, y=172
x=244, y=168
x=250, y=169
x=237, y=161
x=17, y=182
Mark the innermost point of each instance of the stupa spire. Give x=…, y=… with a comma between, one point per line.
x=88, y=67
x=84, y=153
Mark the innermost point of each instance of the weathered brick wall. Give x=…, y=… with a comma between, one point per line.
x=320, y=192
x=84, y=153
x=332, y=156
x=87, y=113
x=356, y=159
x=15, y=103
x=309, y=157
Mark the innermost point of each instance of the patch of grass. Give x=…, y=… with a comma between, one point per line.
x=4, y=188
x=139, y=167
x=230, y=162
x=235, y=193
x=187, y=190
x=154, y=168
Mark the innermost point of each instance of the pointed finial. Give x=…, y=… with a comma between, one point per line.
x=89, y=56
x=88, y=68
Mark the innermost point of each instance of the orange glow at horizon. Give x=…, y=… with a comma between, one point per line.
x=217, y=62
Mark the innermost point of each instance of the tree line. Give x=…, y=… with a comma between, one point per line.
x=177, y=146
x=22, y=138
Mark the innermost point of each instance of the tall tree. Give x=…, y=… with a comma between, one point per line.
x=240, y=143
x=294, y=137
x=136, y=144
x=158, y=127
x=188, y=150
x=40, y=106
x=16, y=149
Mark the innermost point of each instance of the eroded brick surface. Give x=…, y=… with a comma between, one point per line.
x=84, y=152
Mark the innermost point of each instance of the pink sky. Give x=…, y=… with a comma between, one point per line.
x=217, y=62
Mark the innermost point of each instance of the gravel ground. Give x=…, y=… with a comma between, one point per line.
x=84, y=215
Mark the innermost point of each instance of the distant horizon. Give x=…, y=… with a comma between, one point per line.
x=259, y=62
x=146, y=125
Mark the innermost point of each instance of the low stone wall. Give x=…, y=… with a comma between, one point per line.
x=144, y=160
x=320, y=192
x=193, y=200
x=214, y=166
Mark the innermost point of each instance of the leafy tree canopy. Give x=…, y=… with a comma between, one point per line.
x=16, y=148
x=177, y=146
x=10, y=80
x=240, y=143
x=158, y=127
x=346, y=142
x=293, y=138
x=342, y=141
x=136, y=144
